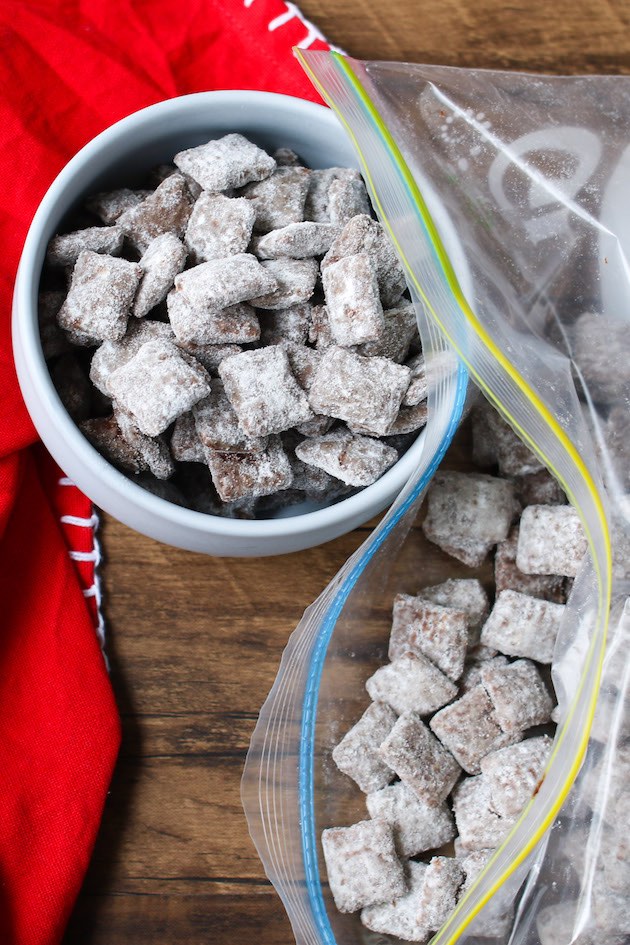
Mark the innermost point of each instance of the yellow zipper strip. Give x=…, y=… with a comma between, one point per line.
x=603, y=574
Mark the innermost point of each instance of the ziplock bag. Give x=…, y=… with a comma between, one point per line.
x=533, y=175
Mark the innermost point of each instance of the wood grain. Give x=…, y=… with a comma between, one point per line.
x=195, y=642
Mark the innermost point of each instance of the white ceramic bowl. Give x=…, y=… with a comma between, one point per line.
x=120, y=156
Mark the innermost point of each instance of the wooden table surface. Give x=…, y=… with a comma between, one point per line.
x=194, y=643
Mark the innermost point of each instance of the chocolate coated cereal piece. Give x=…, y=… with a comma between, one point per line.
x=399, y=330
x=508, y=577
x=442, y=881
x=109, y=206
x=218, y=283
x=520, y=625
x=356, y=460
x=419, y=760
x=478, y=824
x=113, y=354
x=164, y=258
x=230, y=161
x=471, y=677
x=465, y=594
x=294, y=282
x=539, y=489
x=551, y=540
x=418, y=389
x=64, y=250
x=557, y=923
x=518, y=694
x=612, y=909
x=54, y=340
x=439, y=633
x=304, y=363
x=362, y=865
x=311, y=481
x=204, y=326
x=357, y=753
x=347, y=197
x=513, y=774
x=411, y=684
x=219, y=226
x=72, y=386
x=614, y=858
x=263, y=392
x=285, y=157
x=493, y=921
x=218, y=427
x=153, y=451
x=318, y=425
x=279, y=200
x=513, y=457
x=286, y=324
x=105, y=436
x=319, y=333
x=362, y=234
x=100, y=296
x=243, y=475
x=316, y=206
x=185, y=443
x=470, y=730
x=362, y=391
x=166, y=210
x=400, y=916
x=468, y=513
x=417, y=826
x=352, y=300
x=158, y=384
x=601, y=351
x=409, y=420
x=296, y=241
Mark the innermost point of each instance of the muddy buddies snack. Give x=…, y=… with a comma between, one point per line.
x=220, y=263
x=362, y=865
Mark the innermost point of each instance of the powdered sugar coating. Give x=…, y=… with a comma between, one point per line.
x=204, y=326
x=158, y=384
x=153, y=451
x=539, y=489
x=230, y=161
x=294, y=282
x=419, y=760
x=286, y=157
x=352, y=300
x=399, y=330
x=611, y=908
x=520, y=625
x=304, y=363
x=112, y=204
x=508, y=577
x=513, y=774
x=492, y=922
x=418, y=388
x=316, y=206
x=551, y=540
x=362, y=865
x=362, y=391
x=286, y=324
x=518, y=694
x=263, y=392
x=400, y=916
x=105, y=435
x=465, y=594
x=296, y=241
x=513, y=457
x=279, y=200
x=210, y=355
x=319, y=333
x=478, y=824
x=245, y=475
x=362, y=234
x=557, y=923
x=417, y=826
x=64, y=250
x=600, y=349
x=100, y=296
x=164, y=258
x=409, y=420
x=166, y=210
x=219, y=226
x=356, y=460
x=469, y=729
x=443, y=879
x=218, y=283
x=411, y=684
x=185, y=443
x=471, y=677
x=347, y=197
x=467, y=513
x=218, y=427
x=439, y=633
x=357, y=753
x=113, y=354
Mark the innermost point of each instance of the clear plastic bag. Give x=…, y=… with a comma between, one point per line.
x=533, y=173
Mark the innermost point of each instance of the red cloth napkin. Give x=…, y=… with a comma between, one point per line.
x=69, y=69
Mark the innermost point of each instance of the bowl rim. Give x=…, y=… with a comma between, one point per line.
x=29, y=356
